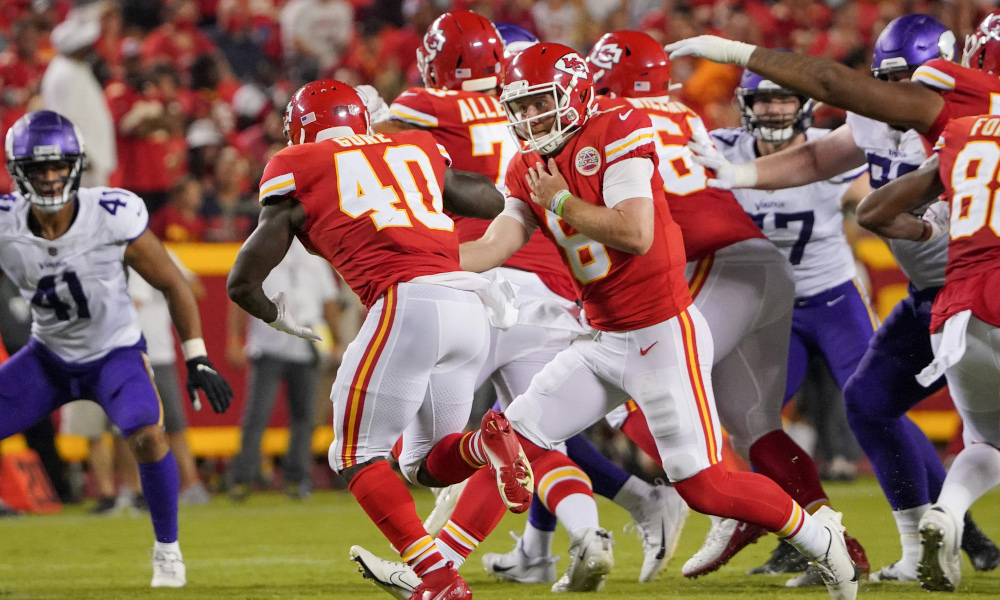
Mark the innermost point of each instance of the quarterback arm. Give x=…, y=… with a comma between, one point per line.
x=887, y=210
x=150, y=260
x=807, y=163
x=505, y=236
x=469, y=194
x=261, y=253
x=906, y=104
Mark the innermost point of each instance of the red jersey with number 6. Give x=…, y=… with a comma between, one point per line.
x=969, y=157
x=710, y=219
x=966, y=92
x=620, y=291
x=373, y=206
x=472, y=126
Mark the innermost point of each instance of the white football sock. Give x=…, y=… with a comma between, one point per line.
x=169, y=547
x=576, y=512
x=813, y=539
x=976, y=470
x=632, y=494
x=449, y=554
x=908, y=524
x=537, y=543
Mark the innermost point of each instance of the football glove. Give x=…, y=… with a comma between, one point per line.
x=378, y=110
x=713, y=48
x=203, y=376
x=286, y=323
x=727, y=175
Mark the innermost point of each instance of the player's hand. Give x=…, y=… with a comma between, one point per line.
x=286, y=323
x=727, y=175
x=713, y=48
x=377, y=108
x=938, y=216
x=203, y=376
x=545, y=182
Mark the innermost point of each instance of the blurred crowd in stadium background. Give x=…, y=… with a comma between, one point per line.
x=182, y=101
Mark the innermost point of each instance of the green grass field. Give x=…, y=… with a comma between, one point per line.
x=272, y=547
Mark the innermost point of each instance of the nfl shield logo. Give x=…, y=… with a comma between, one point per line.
x=53, y=251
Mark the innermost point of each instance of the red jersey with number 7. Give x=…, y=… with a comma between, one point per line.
x=620, y=291
x=373, y=206
x=966, y=92
x=969, y=159
x=710, y=219
x=472, y=127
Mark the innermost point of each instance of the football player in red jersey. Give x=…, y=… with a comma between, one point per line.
x=589, y=180
x=965, y=322
x=377, y=217
x=739, y=281
x=939, y=89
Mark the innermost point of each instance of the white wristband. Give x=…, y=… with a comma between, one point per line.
x=193, y=348
x=745, y=175
x=739, y=53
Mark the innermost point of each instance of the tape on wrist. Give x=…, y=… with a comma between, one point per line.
x=558, y=200
x=193, y=348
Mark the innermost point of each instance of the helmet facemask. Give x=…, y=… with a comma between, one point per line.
x=518, y=96
x=774, y=129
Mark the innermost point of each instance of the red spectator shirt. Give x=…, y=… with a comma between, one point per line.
x=178, y=45
x=710, y=219
x=966, y=92
x=620, y=291
x=472, y=127
x=171, y=225
x=373, y=206
x=969, y=156
x=149, y=163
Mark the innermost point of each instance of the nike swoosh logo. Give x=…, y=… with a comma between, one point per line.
x=397, y=579
x=742, y=526
x=624, y=116
x=663, y=542
x=643, y=352
x=835, y=300
x=207, y=369
x=502, y=569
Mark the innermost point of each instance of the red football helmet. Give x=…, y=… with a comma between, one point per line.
x=982, y=48
x=555, y=70
x=461, y=51
x=629, y=64
x=325, y=109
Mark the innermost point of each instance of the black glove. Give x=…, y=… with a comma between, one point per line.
x=202, y=375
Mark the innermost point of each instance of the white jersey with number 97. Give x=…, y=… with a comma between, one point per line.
x=76, y=284
x=804, y=222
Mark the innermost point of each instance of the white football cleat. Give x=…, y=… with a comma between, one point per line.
x=838, y=571
x=444, y=504
x=590, y=561
x=168, y=569
x=658, y=524
x=395, y=578
x=897, y=571
x=940, y=567
x=518, y=567
x=724, y=540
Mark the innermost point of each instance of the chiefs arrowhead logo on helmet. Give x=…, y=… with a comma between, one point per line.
x=433, y=43
x=606, y=56
x=573, y=64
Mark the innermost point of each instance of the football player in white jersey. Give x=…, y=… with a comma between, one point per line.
x=832, y=317
x=65, y=248
x=884, y=387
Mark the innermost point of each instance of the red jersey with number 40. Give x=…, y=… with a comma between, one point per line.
x=472, y=127
x=969, y=155
x=966, y=92
x=373, y=206
x=620, y=291
x=709, y=218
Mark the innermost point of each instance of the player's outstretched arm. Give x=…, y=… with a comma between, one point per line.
x=807, y=163
x=150, y=260
x=469, y=194
x=905, y=104
x=505, y=236
x=887, y=210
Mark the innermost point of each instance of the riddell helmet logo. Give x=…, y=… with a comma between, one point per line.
x=572, y=64
x=433, y=42
x=607, y=56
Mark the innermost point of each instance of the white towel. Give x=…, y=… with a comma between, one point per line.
x=951, y=349
x=496, y=293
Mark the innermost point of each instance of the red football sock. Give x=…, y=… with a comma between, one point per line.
x=556, y=477
x=637, y=430
x=477, y=513
x=778, y=456
x=389, y=505
x=748, y=497
x=456, y=457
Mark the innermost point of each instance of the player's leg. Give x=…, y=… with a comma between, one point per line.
x=383, y=388
x=122, y=383
x=877, y=396
x=30, y=388
x=678, y=401
x=175, y=423
x=86, y=419
x=262, y=390
x=973, y=382
x=302, y=380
